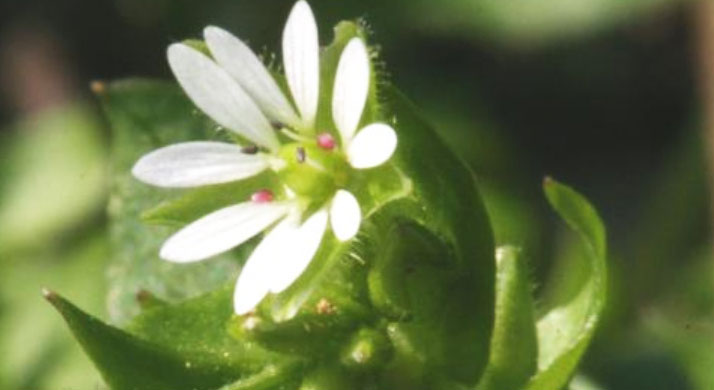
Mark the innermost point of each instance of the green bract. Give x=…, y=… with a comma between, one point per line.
x=416, y=301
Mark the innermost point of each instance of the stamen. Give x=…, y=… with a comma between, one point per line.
x=280, y=127
x=326, y=141
x=300, y=154
x=315, y=165
x=262, y=196
x=290, y=133
x=277, y=125
x=250, y=149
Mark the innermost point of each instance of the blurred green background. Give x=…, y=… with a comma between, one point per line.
x=601, y=94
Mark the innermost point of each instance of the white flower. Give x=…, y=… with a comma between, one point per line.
x=236, y=90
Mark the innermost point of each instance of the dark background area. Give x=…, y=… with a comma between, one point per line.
x=600, y=111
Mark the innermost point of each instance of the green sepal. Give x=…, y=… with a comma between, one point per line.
x=313, y=332
x=198, y=44
x=329, y=59
x=195, y=203
x=317, y=318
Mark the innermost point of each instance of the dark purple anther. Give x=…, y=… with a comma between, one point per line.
x=250, y=149
x=277, y=125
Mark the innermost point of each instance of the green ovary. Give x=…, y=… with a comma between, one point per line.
x=318, y=176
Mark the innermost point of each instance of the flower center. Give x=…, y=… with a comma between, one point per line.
x=313, y=171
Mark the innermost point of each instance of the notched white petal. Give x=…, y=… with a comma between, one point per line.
x=278, y=260
x=345, y=215
x=198, y=163
x=301, y=60
x=351, y=87
x=372, y=146
x=221, y=230
x=298, y=246
x=219, y=96
x=245, y=67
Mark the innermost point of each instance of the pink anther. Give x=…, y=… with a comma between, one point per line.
x=262, y=196
x=326, y=141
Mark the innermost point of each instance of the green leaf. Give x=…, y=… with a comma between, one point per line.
x=566, y=329
x=43, y=355
x=174, y=347
x=446, y=202
x=145, y=115
x=127, y=362
x=52, y=176
x=514, y=345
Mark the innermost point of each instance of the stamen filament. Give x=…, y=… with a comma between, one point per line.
x=293, y=135
x=315, y=164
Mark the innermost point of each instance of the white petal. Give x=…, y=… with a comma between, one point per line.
x=255, y=277
x=301, y=60
x=219, y=96
x=351, y=87
x=372, y=146
x=221, y=230
x=192, y=164
x=251, y=286
x=345, y=215
x=298, y=246
x=243, y=65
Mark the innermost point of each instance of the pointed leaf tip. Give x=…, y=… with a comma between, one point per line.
x=127, y=361
x=565, y=331
x=49, y=295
